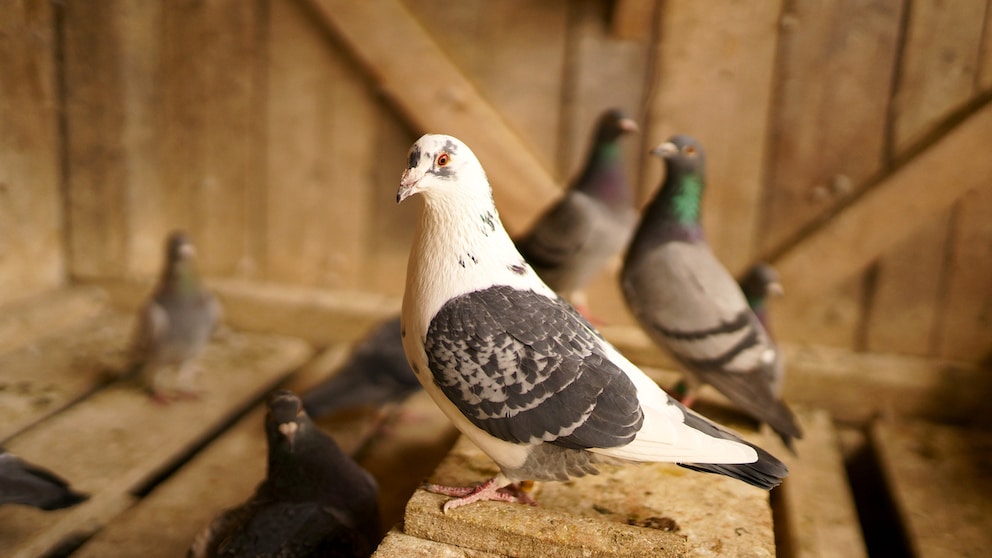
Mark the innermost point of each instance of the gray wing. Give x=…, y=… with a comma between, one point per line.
x=524, y=368
x=30, y=485
x=558, y=236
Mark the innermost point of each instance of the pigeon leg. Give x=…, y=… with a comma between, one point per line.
x=498, y=488
x=189, y=371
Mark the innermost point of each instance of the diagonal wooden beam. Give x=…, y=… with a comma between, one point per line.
x=426, y=87
x=921, y=189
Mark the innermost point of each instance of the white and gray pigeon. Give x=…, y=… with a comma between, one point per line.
x=30, y=485
x=592, y=221
x=175, y=324
x=314, y=501
x=515, y=367
x=689, y=304
x=376, y=373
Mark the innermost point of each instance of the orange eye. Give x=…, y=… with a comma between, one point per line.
x=689, y=150
x=443, y=160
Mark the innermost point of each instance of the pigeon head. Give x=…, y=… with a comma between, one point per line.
x=178, y=247
x=612, y=124
x=680, y=197
x=285, y=419
x=682, y=153
x=442, y=168
x=761, y=282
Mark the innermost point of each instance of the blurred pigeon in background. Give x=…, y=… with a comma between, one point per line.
x=175, y=323
x=689, y=304
x=515, y=367
x=30, y=485
x=314, y=501
x=592, y=222
x=376, y=373
x=760, y=283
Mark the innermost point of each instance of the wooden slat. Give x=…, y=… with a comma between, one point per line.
x=941, y=481
x=714, y=81
x=27, y=321
x=631, y=19
x=983, y=78
x=414, y=73
x=31, y=207
x=117, y=439
x=834, y=79
x=890, y=211
x=965, y=331
x=904, y=309
x=321, y=125
x=939, y=64
x=815, y=515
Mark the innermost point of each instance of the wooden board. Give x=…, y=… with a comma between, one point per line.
x=939, y=42
x=889, y=211
x=31, y=232
x=833, y=84
x=320, y=157
x=906, y=295
x=965, y=331
x=983, y=78
x=27, y=321
x=714, y=81
x=427, y=88
x=940, y=479
x=117, y=440
x=815, y=515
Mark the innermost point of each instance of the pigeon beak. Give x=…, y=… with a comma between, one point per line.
x=409, y=184
x=775, y=288
x=628, y=125
x=666, y=149
x=187, y=251
x=288, y=429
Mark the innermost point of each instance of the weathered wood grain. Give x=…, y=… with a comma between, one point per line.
x=117, y=439
x=714, y=81
x=31, y=251
x=30, y=320
x=833, y=85
x=890, y=211
x=965, y=321
x=321, y=126
x=940, y=478
x=939, y=42
x=410, y=69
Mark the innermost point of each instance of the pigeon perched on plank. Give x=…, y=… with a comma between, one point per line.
x=592, y=221
x=314, y=501
x=376, y=373
x=515, y=367
x=30, y=485
x=175, y=324
x=689, y=304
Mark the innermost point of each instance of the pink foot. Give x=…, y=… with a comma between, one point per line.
x=160, y=398
x=493, y=489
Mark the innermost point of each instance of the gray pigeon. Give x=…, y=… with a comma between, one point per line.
x=30, y=485
x=592, y=221
x=314, y=501
x=759, y=284
x=689, y=304
x=175, y=323
x=516, y=368
x=376, y=373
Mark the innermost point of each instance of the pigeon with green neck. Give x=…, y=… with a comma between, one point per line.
x=592, y=222
x=175, y=324
x=690, y=305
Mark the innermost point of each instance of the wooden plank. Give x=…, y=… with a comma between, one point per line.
x=104, y=447
x=965, y=331
x=827, y=141
x=815, y=515
x=321, y=118
x=983, y=78
x=427, y=88
x=939, y=65
x=519, y=77
x=888, y=212
x=714, y=81
x=31, y=211
x=903, y=312
x=631, y=19
x=319, y=316
x=837, y=380
x=941, y=482
x=400, y=545
x=27, y=321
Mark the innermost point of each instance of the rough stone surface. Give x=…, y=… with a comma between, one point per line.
x=632, y=510
x=399, y=545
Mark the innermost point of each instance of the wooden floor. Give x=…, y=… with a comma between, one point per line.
x=158, y=474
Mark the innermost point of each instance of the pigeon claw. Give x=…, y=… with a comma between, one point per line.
x=497, y=489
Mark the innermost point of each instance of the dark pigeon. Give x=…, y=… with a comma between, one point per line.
x=31, y=485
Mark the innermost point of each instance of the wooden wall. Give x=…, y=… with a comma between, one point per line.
x=846, y=140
